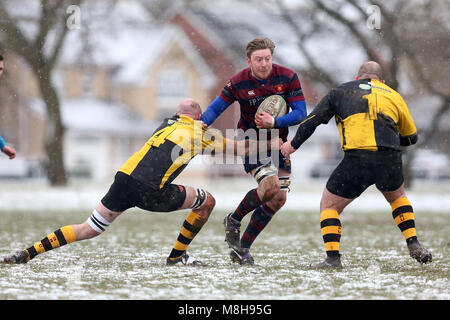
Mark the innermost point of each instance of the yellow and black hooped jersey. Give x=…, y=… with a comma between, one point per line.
x=164, y=156
x=369, y=115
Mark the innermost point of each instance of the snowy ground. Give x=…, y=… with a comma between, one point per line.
x=36, y=195
x=128, y=261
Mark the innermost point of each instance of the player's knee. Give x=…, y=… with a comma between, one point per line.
x=278, y=201
x=271, y=190
x=206, y=205
x=210, y=202
x=94, y=225
x=281, y=198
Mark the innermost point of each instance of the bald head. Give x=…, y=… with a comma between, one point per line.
x=189, y=107
x=370, y=69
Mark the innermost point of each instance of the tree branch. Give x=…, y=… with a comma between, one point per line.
x=60, y=38
x=371, y=52
x=317, y=72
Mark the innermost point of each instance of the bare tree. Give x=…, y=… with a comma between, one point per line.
x=42, y=55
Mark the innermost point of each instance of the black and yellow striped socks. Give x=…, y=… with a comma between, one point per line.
x=403, y=215
x=191, y=226
x=54, y=240
x=331, y=231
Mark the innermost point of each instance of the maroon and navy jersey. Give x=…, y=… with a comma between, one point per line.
x=249, y=92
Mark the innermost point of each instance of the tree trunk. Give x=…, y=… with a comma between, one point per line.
x=54, y=145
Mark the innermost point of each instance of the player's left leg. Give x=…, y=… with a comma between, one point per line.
x=96, y=224
x=390, y=182
x=265, y=212
x=109, y=208
x=331, y=206
x=403, y=215
x=202, y=203
x=347, y=181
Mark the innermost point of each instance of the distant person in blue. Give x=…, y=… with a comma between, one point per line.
x=8, y=150
x=249, y=88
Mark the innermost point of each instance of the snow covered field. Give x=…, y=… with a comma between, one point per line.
x=36, y=195
x=128, y=261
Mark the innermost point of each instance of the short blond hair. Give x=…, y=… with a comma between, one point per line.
x=259, y=44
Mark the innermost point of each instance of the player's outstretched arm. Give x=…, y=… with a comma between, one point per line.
x=213, y=111
x=9, y=151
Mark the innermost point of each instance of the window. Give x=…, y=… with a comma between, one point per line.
x=88, y=82
x=171, y=85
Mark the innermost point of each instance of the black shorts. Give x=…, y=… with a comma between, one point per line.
x=360, y=169
x=127, y=192
x=251, y=163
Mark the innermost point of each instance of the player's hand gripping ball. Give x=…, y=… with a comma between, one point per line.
x=273, y=105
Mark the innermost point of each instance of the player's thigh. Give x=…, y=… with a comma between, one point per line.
x=118, y=198
x=170, y=198
x=350, y=178
x=389, y=177
x=332, y=201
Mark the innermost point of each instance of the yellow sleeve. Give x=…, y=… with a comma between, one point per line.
x=405, y=124
x=213, y=141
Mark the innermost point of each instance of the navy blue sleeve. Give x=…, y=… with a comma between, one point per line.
x=214, y=110
x=297, y=114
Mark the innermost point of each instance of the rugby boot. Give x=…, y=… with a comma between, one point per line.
x=418, y=252
x=329, y=263
x=185, y=260
x=232, y=232
x=17, y=257
x=242, y=256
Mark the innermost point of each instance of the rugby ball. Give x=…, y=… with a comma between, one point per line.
x=273, y=105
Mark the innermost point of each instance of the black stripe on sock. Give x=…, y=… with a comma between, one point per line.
x=333, y=253
x=406, y=225
x=331, y=237
x=330, y=222
x=183, y=239
x=176, y=253
x=61, y=239
x=32, y=252
x=190, y=227
x=400, y=210
x=46, y=243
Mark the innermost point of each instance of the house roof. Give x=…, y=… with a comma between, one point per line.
x=129, y=48
x=146, y=46
x=96, y=116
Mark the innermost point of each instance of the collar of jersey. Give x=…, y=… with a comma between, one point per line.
x=186, y=118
